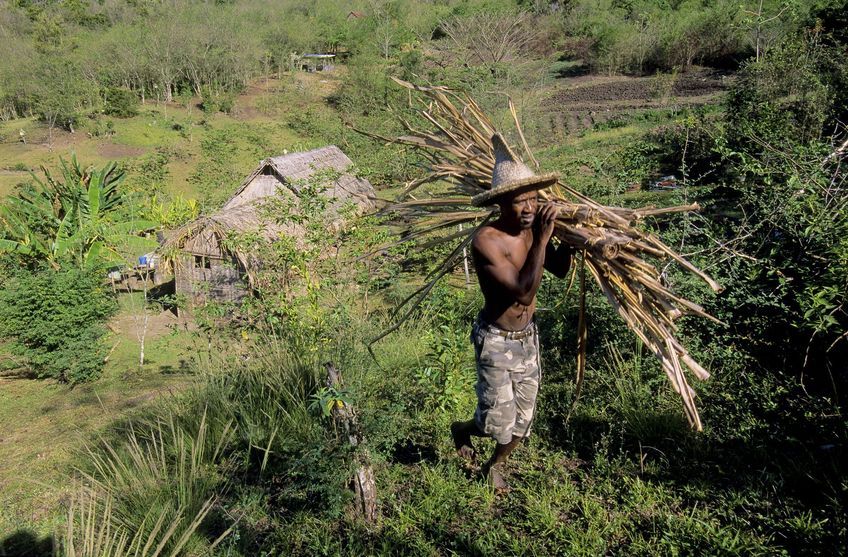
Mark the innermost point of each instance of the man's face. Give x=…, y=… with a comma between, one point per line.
x=520, y=210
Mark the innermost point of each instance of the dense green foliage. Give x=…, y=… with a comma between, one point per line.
x=648, y=35
x=782, y=200
x=120, y=102
x=54, y=320
x=87, y=51
x=56, y=238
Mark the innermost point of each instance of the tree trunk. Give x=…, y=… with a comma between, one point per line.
x=141, y=353
x=363, y=481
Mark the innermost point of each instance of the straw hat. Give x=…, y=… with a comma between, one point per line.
x=510, y=175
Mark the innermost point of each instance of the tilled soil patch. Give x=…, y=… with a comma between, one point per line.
x=627, y=90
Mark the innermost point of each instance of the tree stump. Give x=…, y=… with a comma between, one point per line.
x=363, y=482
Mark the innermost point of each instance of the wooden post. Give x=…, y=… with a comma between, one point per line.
x=363, y=481
x=465, y=262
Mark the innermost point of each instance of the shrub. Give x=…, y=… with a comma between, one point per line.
x=213, y=101
x=55, y=322
x=783, y=97
x=122, y=103
x=638, y=37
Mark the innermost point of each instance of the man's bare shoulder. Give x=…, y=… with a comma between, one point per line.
x=488, y=240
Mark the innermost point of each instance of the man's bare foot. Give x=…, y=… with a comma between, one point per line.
x=462, y=442
x=494, y=476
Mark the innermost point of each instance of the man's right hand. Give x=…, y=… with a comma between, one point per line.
x=545, y=222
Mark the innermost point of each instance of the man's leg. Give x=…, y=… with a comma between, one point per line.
x=461, y=432
x=491, y=379
x=492, y=468
x=525, y=377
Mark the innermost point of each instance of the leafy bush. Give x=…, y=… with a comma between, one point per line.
x=782, y=97
x=122, y=103
x=101, y=128
x=55, y=322
x=640, y=36
x=448, y=378
x=213, y=100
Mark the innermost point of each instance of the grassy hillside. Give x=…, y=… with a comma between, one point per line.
x=47, y=425
x=184, y=137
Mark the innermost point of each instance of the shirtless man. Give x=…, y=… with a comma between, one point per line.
x=509, y=256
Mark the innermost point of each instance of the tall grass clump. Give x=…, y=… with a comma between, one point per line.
x=151, y=487
x=175, y=481
x=264, y=392
x=644, y=415
x=92, y=532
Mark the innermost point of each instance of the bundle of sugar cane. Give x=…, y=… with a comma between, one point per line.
x=459, y=150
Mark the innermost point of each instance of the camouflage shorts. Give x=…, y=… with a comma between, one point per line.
x=508, y=375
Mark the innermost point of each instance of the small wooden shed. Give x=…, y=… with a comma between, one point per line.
x=316, y=62
x=205, y=267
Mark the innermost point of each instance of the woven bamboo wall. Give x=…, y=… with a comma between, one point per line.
x=202, y=278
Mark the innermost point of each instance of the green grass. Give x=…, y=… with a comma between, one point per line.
x=623, y=476
x=47, y=423
x=255, y=134
x=589, y=489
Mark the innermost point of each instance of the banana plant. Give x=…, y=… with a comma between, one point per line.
x=26, y=222
x=76, y=217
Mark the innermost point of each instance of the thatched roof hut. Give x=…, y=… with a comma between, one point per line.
x=293, y=169
x=206, y=266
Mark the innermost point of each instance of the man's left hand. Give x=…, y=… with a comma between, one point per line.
x=546, y=219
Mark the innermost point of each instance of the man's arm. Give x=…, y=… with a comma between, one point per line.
x=558, y=260
x=521, y=285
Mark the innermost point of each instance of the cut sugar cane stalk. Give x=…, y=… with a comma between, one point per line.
x=620, y=257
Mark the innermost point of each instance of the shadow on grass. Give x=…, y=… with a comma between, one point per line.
x=18, y=373
x=782, y=474
x=409, y=452
x=182, y=367
x=26, y=543
x=568, y=69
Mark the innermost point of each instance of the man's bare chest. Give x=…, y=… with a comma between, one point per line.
x=516, y=250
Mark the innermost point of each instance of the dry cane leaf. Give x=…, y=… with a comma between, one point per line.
x=620, y=257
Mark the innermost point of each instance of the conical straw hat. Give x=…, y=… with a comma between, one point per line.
x=510, y=175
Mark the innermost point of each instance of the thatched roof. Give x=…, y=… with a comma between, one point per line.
x=244, y=212
x=294, y=168
x=248, y=218
x=205, y=235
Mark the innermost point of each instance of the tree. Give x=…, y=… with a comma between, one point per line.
x=759, y=22
x=59, y=92
x=490, y=38
x=53, y=319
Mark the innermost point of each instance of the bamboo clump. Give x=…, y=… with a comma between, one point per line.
x=617, y=254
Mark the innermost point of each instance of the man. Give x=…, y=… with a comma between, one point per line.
x=509, y=256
